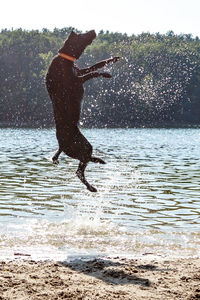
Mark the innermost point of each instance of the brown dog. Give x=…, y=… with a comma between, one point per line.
x=64, y=81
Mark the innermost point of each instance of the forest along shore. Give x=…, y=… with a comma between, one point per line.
x=156, y=80
x=101, y=278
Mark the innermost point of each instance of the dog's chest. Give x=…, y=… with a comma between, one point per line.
x=77, y=86
x=74, y=71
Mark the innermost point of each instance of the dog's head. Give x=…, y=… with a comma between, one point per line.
x=76, y=43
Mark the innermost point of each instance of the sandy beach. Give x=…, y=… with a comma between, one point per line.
x=101, y=278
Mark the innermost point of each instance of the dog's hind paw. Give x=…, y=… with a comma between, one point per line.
x=91, y=188
x=55, y=161
x=101, y=161
x=97, y=160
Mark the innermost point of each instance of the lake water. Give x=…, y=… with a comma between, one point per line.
x=148, y=198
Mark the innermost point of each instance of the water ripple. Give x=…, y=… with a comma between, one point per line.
x=151, y=182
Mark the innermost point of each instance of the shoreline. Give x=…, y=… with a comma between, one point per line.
x=150, y=125
x=149, y=277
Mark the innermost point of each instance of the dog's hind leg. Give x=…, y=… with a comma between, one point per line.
x=80, y=173
x=97, y=160
x=55, y=157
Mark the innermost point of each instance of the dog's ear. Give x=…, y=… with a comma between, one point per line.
x=70, y=39
x=72, y=35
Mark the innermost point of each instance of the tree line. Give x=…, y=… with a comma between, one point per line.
x=156, y=82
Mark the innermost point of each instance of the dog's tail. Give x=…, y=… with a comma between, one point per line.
x=97, y=160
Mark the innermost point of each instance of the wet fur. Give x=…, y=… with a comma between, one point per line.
x=64, y=82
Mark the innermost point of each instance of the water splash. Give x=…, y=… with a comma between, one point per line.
x=151, y=83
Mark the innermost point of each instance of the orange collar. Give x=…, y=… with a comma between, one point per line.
x=67, y=57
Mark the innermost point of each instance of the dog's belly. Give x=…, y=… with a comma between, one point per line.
x=65, y=134
x=75, y=145
x=76, y=91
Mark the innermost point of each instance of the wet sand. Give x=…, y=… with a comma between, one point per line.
x=101, y=278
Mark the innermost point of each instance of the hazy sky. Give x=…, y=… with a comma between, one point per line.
x=130, y=16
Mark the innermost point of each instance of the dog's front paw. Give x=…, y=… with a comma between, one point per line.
x=55, y=161
x=115, y=59
x=106, y=75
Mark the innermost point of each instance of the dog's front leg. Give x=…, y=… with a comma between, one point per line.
x=94, y=75
x=103, y=63
x=99, y=65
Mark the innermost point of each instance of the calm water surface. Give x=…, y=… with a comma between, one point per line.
x=148, y=198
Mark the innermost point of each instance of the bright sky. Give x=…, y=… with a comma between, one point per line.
x=130, y=16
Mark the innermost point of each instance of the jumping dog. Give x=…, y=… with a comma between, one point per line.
x=64, y=82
